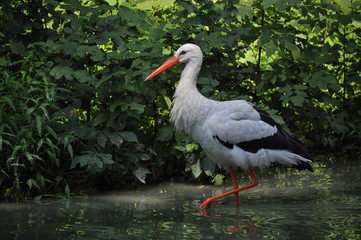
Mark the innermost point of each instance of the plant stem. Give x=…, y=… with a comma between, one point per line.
x=260, y=48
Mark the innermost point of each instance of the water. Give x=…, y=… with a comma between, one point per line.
x=286, y=204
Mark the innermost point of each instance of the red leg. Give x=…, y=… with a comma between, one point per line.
x=235, y=185
x=253, y=183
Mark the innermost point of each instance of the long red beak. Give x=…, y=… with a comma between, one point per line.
x=168, y=64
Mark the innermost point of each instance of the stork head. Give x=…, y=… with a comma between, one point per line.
x=186, y=53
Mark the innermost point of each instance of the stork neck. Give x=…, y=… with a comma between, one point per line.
x=187, y=87
x=190, y=73
x=187, y=108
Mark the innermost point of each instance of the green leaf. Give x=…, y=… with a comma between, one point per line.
x=82, y=76
x=141, y=173
x=191, y=146
x=82, y=160
x=214, y=82
x=268, y=3
x=296, y=54
x=6, y=99
x=356, y=23
x=269, y=77
x=159, y=4
x=143, y=156
x=203, y=81
x=208, y=166
x=297, y=100
x=101, y=139
x=38, y=124
x=281, y=5
x=103, y=79
x=116, y=55
x=106, y=158
x=270, y=48
x=30, y=158
x=100, y=118
x=70, y=150
x=168, y=101
x=31, y=182
x=345, y=4
x=1, y=139
x=83, y=131
x=18, y=48
x=218, y=180
x=277, y=118
x=215, y=39
x=294, y=2
x=137, y=107
x=51, y=131
x=206, y=89
x=315, y=78
x=129, y=136
x=15, y=150
x=68, y=30
x=97, y=55
x=291, y=46
x=146, y=5
x=332, y=82
x=116, y=139
x=133, y=158
x=165, y=133
x=244, y=11
x=29, y=111
x=299, y=87
x=97, y=161
x=196, y=169
x=58, y=179
x=45, y=111
x=59, y=71
x=180, y=148
x=265, y=37
x=40, y=180
x=115, y=104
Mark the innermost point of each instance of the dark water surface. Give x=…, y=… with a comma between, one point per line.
x=286, y=204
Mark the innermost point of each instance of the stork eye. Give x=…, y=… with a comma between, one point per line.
x=183, y=52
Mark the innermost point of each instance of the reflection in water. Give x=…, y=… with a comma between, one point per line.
x=238, y=225
x=285, y=205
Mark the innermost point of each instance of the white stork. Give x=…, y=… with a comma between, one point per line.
x=232, y=133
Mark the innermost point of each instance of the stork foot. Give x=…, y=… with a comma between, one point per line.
x=206, y=204
x=235, y=191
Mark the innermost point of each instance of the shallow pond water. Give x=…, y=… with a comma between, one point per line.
x=286, y=204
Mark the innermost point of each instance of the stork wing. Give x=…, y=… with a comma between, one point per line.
x=240, y=131
x=252, y=129
x=238, y=121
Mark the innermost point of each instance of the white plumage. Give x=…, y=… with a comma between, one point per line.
x=232, y=133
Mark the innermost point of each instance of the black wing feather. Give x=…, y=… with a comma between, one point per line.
x=265, y=117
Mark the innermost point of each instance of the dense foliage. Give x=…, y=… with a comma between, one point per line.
x=75, y=110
